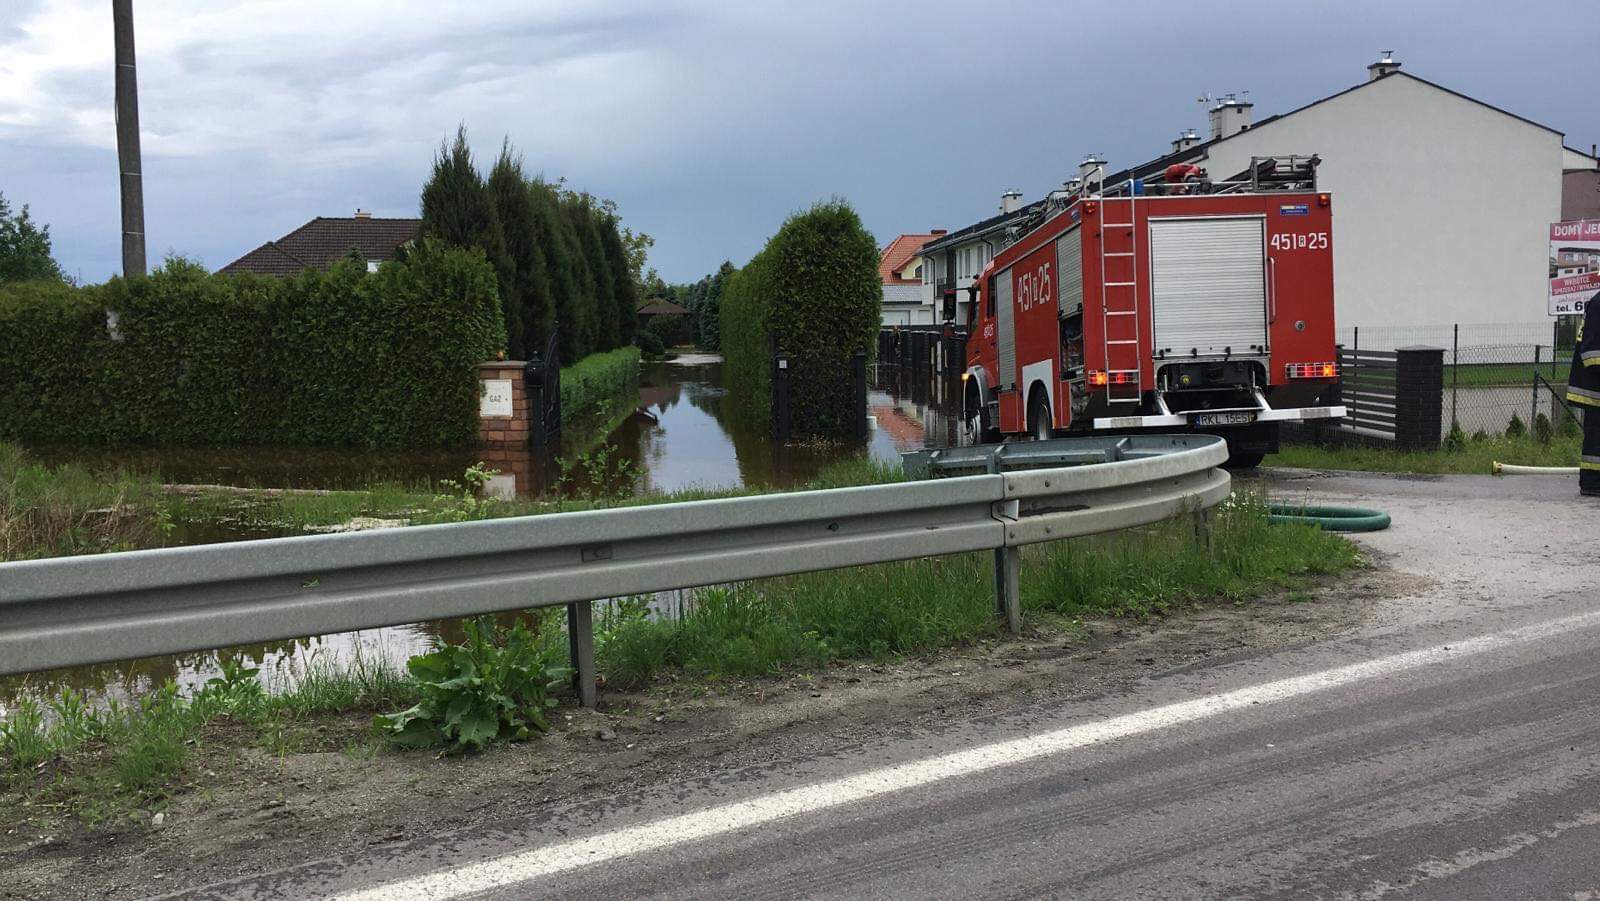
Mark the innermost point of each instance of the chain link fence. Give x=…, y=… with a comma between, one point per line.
x=1497, y=377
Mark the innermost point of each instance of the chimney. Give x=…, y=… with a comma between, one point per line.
x=1230, y=116
x=1388, y=65
x=1188, y=139
x=1010, y=201
x=1093, y=168
x=1072, y=185
x=363, y=214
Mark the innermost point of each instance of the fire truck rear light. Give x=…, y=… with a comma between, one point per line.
x=1313, y=370
x=1097, y=378
x=1089, y=206
x=1121, y=378
x=1323, y=200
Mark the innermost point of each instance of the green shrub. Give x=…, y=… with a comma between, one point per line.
x=1456, y=439
x=598, y=380
x=1516, y=428
x=342, y=357
x=674, y=331
x=1543, y=431
x=650, y=344
x=813, y=291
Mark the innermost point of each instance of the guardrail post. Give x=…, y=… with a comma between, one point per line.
x=580, y=639
x=1008, y=569
x=1007, y=587
x=1202, y=530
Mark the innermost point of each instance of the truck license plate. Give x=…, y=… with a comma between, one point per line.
x=1233, y=417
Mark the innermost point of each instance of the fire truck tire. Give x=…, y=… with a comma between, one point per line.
x=1241, y=460
x=978, y=421
x=1039, y=416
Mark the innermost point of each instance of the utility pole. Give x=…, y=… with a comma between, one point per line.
x=128, y=158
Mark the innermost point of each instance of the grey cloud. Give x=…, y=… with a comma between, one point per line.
x=919, y=113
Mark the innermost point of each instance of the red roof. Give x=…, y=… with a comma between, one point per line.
x=318, y=243
x=899, y=253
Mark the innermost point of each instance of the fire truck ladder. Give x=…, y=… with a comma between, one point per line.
x=1119, y=300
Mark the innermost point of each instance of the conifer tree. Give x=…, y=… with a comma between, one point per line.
x=524, y=242
x=456, y=210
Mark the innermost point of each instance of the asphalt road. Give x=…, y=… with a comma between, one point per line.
x=1448, y=748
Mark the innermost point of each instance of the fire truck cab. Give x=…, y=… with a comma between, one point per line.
x=1191, y=306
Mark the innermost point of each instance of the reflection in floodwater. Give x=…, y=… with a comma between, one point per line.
x=680, y=435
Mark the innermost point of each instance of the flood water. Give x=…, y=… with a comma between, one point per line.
x=679, y=434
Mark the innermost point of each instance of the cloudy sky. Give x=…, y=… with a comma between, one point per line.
x=707, y=121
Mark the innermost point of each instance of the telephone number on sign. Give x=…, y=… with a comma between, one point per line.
x=1300, y=241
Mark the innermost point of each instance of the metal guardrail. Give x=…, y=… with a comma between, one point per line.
x=78, y=610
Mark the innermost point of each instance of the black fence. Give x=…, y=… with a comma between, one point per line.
x=1496, y=377
x=930, y=348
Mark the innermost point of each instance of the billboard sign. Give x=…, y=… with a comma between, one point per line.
x=1574, y=265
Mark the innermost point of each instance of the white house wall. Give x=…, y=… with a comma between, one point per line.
x=1441, y=206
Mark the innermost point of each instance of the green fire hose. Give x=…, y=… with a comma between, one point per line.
x=1333, y=519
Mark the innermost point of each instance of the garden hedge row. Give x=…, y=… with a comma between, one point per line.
x=343, y=357
x=813, y=292
x=597, y=380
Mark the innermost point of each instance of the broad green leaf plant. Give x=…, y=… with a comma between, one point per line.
x=494, y=686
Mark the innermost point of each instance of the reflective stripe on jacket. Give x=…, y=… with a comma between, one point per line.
x=1583, y=382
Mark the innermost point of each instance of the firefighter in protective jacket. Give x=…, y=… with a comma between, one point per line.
x=1583, y=388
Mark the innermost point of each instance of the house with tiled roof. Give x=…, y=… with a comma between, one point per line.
x=900, y=271
x=318, y=243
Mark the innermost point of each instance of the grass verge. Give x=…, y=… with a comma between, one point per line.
x=48, y=512
x=1470, y=456
x=912, y=607
x=102, y=760
x=110, y=760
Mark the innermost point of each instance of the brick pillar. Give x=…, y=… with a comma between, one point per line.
x=502, y=423
x=1418, y=397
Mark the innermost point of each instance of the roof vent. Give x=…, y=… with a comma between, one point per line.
x=1188, y=139
x=1229, y=115
x=1388, y=65
x=363, y=214
x=1091, y=164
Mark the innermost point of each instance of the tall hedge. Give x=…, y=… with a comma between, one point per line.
x=813, y=292
x=343, y=357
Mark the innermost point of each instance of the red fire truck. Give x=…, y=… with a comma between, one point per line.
x=1177, y=305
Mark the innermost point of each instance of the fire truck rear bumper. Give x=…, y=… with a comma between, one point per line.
x=1185, y=420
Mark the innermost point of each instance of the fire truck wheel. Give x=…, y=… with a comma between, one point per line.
x=1241, y=460
x=1039, y=417
x=978, y=427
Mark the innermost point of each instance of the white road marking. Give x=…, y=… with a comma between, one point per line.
x=525, y=866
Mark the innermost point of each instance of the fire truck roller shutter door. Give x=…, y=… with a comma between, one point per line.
x=1208, y=285
x=1069, y=268
x=1006, y=338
